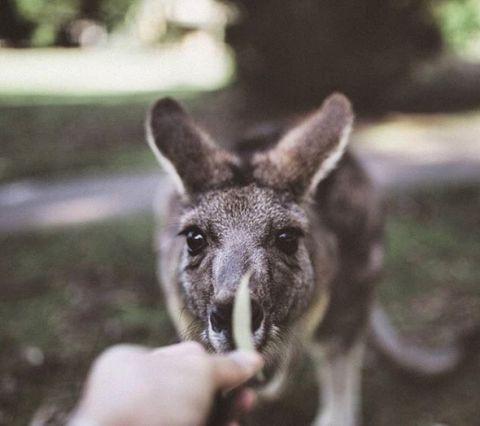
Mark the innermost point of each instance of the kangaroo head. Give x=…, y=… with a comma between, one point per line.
x=250, y=215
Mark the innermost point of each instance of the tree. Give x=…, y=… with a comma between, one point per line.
x=303, y=50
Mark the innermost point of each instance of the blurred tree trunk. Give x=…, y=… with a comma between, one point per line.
x=303, y=50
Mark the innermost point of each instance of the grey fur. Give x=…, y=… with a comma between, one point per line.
x=240, y=201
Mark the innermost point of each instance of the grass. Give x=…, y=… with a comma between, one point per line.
x=432, y=293
x=68, y=294
x=434, y=258
x=49, y=136
x=71, y=294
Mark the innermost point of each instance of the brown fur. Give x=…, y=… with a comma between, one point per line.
x=253, y=199
x=197, y=161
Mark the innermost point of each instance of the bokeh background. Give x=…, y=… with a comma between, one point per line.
x=77, y=179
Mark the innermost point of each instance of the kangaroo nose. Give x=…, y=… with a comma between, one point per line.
x=221, y=317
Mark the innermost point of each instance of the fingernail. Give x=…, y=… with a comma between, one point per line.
x=251, y=361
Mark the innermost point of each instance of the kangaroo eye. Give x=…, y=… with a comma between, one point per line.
x=196, y=241
x=287, y=240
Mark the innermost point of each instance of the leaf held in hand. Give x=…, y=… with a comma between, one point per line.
x=242, y=320
x=242, y=316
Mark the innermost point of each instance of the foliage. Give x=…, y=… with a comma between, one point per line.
x=50, y=16
x=458, y=19
x=459, y=22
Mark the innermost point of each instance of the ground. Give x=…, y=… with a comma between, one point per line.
x=67, y=294
x=55, y=135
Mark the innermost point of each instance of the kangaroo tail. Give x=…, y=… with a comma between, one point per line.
x=415, y=361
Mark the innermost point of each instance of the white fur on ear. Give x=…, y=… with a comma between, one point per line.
x=333, y=158
x=164, y=161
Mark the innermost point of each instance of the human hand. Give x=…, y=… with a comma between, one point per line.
x=171, y=386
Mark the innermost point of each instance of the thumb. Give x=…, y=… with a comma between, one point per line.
x=235, y=368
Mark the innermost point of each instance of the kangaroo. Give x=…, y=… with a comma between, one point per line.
x=300, y=214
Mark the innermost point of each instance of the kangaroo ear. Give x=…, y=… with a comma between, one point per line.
x=184, y=151
x=308, y=152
